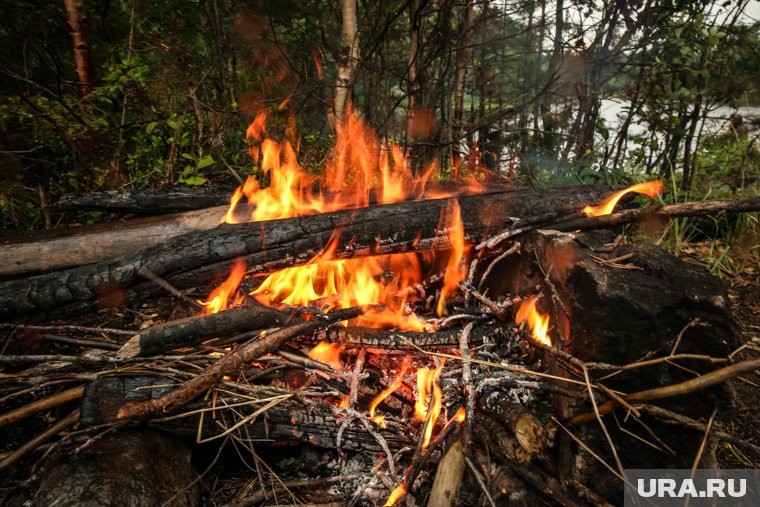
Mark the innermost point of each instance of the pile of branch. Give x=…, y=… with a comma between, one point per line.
x=244, y=374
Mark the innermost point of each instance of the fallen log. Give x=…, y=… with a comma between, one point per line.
x=149, y=201
x=57, y=249
x=378, y=229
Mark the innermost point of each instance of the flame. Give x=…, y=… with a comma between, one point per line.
x=454, y=273
x=380, y=420
x=538, y=323
x=360, y=163
x=327, y=353
x=341, y=283
x=648, y=188
x=428, y=399
x=396, y=495
x=219, y=298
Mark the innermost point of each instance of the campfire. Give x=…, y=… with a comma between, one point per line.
x=464, y=340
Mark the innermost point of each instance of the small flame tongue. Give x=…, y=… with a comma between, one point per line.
x=428, y=404
x=538, y=322
x=380, y=420
x=648, y=188
x=218, y=300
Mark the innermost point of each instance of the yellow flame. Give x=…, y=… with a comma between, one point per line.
x=327, y=353
x=538, y=323
x=218, y=300
x=454, y=274
x=396, y=495
x=428, y=400
x=380, y=420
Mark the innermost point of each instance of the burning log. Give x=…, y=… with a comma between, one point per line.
x=197, y=329
x=276, y=244
x=529, y=431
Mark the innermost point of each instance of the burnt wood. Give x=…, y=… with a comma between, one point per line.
x=148, y=201
x=196, y=329
x=264, y=245
x=296, y=419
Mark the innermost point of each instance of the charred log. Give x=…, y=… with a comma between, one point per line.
x=123, y=468
x=377, y=229
x=148, y=201
x=295, y=419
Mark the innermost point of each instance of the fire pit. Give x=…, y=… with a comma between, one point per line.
x=377, y=338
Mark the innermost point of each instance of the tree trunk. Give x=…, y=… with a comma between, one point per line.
x=80, y=41
x=464, y=54
x=348, y=64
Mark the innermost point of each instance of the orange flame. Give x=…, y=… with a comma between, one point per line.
x=454, y=273
x=219, y=298
x=341, y=283
x=648, y=188
x=428, y=400
x=359, y=164
x=538, y=323
x=380, y=420
x=327, y=353
x=396, y=495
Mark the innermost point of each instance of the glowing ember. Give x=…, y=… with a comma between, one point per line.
x=538, y=323
x=380, y=420
x=218, y=300
x=428, y=400
x=396, y=495
x=327, y=353
x=649, y=188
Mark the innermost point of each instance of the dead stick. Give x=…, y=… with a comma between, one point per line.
x=448, y=477
x=234, y=360
x=680, y=419
x=194, y=330
x=150, y=275
x=685, y=209
x=34, y=443
x=689, y=386
x=570, y=223
x=38, y=406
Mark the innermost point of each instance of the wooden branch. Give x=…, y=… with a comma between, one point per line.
x=530, y=432
x=58, y=249
x=245, y=354
x=400, y=340
x=40, y=439
x=378, y=229
x=448, y=477
x=35, y=407
x=686, y=209
x=196, y=329
x=689, y=386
